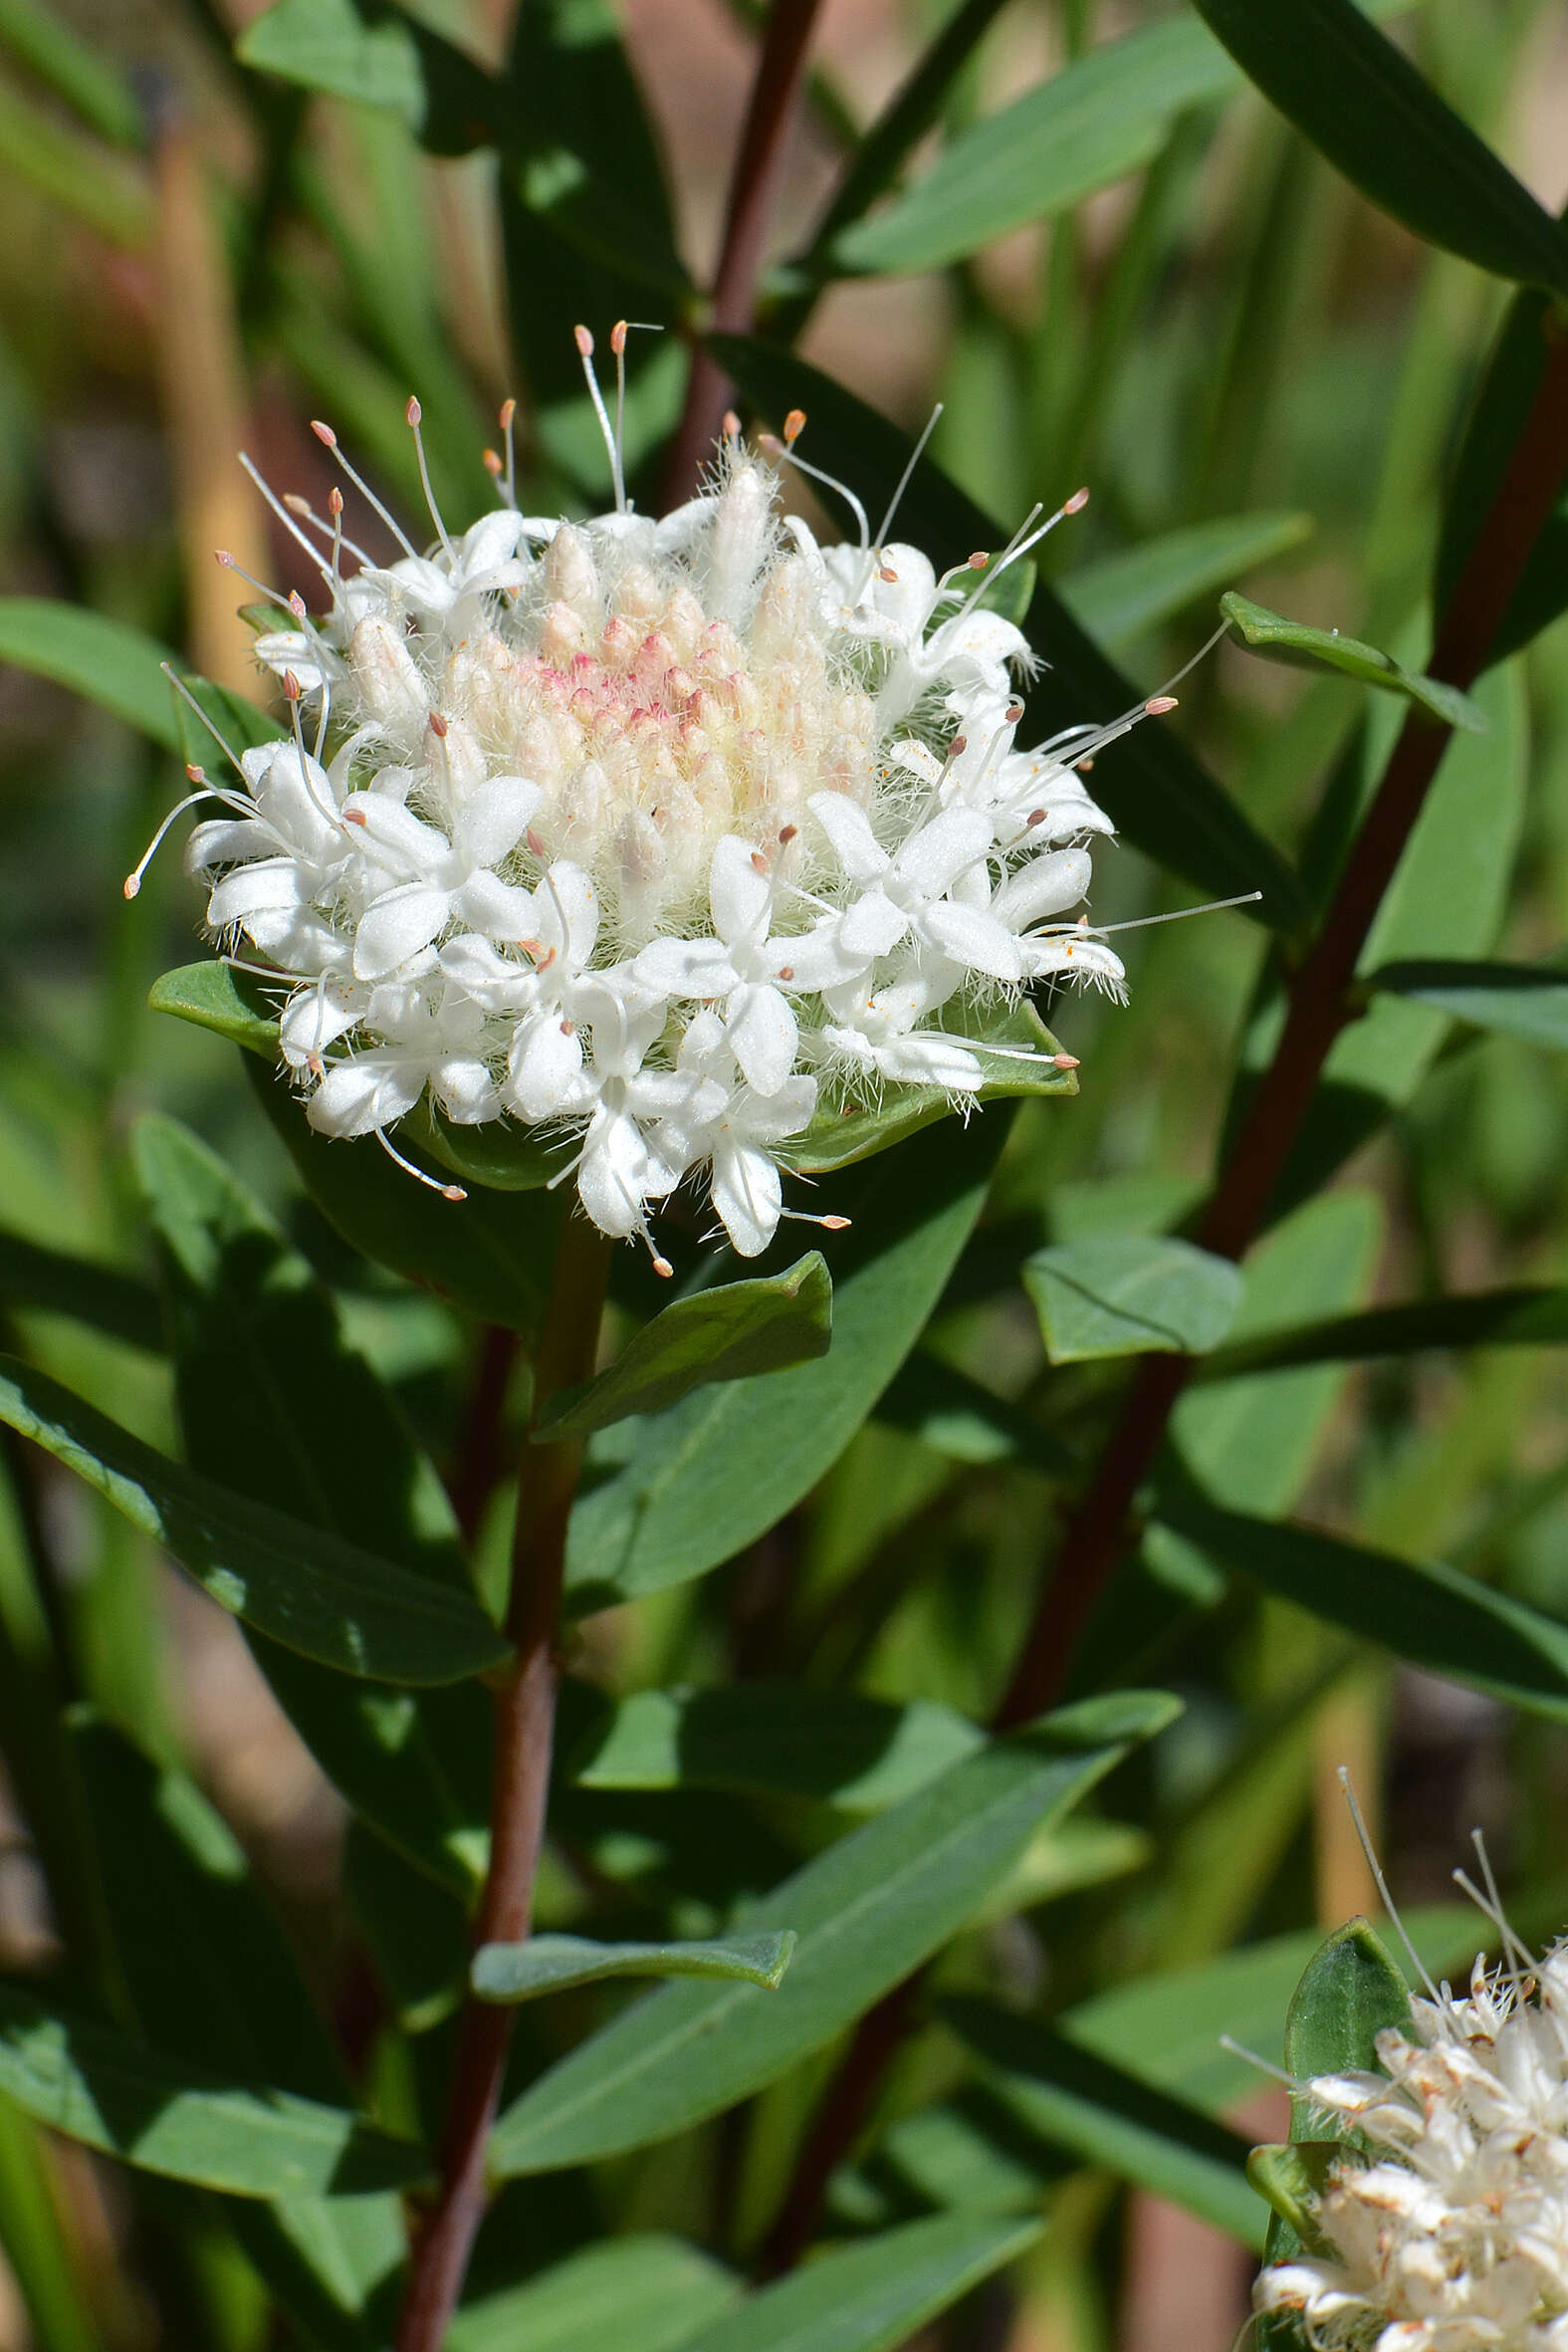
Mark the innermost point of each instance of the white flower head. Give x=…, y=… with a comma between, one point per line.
x=1448, y=2230
x=665, y=834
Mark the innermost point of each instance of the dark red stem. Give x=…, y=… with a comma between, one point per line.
x=754, y=187
x=1320, y=1005
x=525, y=1734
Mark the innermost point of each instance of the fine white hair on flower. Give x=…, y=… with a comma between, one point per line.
x=669, y=835
x=1447, y=2229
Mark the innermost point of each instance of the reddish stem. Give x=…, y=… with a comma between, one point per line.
x=1320, y=1005
x=754, y=187
x=478, y=1466
x=525, y=1732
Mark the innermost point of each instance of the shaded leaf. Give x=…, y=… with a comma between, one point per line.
x=1159, y=796
x=1300, y=647
x=1486, y=1319
x=868, y=1911
x=327, y=45
x=1528, y=1001
x=645, y=2289
x=213, y=996
x=1364, y=105
x=872, y=2296
x=106, y=1297
x=101, y=659
x=689, y=1488
x=1106, y=2117
x=1122, y=596
x=1123, y=1294
x=162, y=2116
x=546, y=1964
x=1350, y=1989
x=860, y=1754
x=734, y=1331
x=310, y=1591
x=75, y=67
x=1422, y=1611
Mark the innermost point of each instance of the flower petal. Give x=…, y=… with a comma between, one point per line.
x=396, y=927
x=748, y=1194
x=763, y=1035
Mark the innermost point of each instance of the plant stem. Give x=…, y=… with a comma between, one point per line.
x=478, y=1466
x=525, y=1731
x=753, y=186
x=1320, y=1005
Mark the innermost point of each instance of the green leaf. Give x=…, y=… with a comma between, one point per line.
x=1299, y=647
x=1166, y=2026
x=1123, y=1294
x=735, y=1332
x=872, y=2296
x=1361, y=102
x=41, y=2255
x=313, y=1594
x=268, y=1390
x=868, y=1911
x=836, y=1139
x=1422, y=1611
x=1486, y=1319
x=327, y=45
x=1350, y=1990
x=74, y=175
x=491, y=1254
x=1122, y=596
x=644, y=2289
x=162, y=2116
x=1151, y=785
x=1108, y=2118
x=417, y=1932
x=1528, y=1001
x=210, y=994
x=692, y=1487
x=104, y=1298
x=545, y=1964
x=859, y=1754
x=1106, y=114
x=1251, y=1441
x=1501, y=403
x=74, y=68
x=101, y=659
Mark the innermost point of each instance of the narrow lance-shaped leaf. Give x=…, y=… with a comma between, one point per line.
x=1107, y=2117
x=118, y=668
x=872, y=2296
x=1359, y=99
x=548, y=1964
x=1122, y=596
x=1300, y=647
x=1161, y=798
x=1525, y=1001
x=1486, y=1318
x=692, y=1485
x=866, y=1912
x=1422, y=1611
x=854, y=1751
x=731, y=1332
x=162, y=2116
x=1125, y=1293
x=313, y=1594
x=267, y=1389
x=645, y=2288
x=107, y=1298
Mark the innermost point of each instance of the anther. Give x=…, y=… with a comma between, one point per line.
x=758, y=861
x=290, y=686
x=978, y=559
x=1014, y=713
x=491, y=463
x=414, y=413
x=958, y=747
x=731, y=427
x=794, y=424
x=324, y=433
x=787, y=971
x=662, y=1267
x=535, y=842
x=1064, y=1061
x=197, y=775
x=1083, y=765
x=453, y=1192
x=296, y=504
x=223, y=556
x=583, y=341
x=1158, y=704
x=618, y=338
x=355, y=817
x=296, y=605
x=886, y=572
x=787, y=834
x=1076, y=503
x=1035, y=817
x=508, y=409
x=437, y=724
x=334, y=502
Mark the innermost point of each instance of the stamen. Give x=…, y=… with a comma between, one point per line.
x=584, y=342
x=781, y=449
x=1381, y=1883
x=414, y=413
x=508, y=409
x=1178, y=914
x=208, y=792
x=287, y=521
x=329, y=440
x=915, y=455
x=807, y=1217
x=273, y=596
x=448, y=1192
